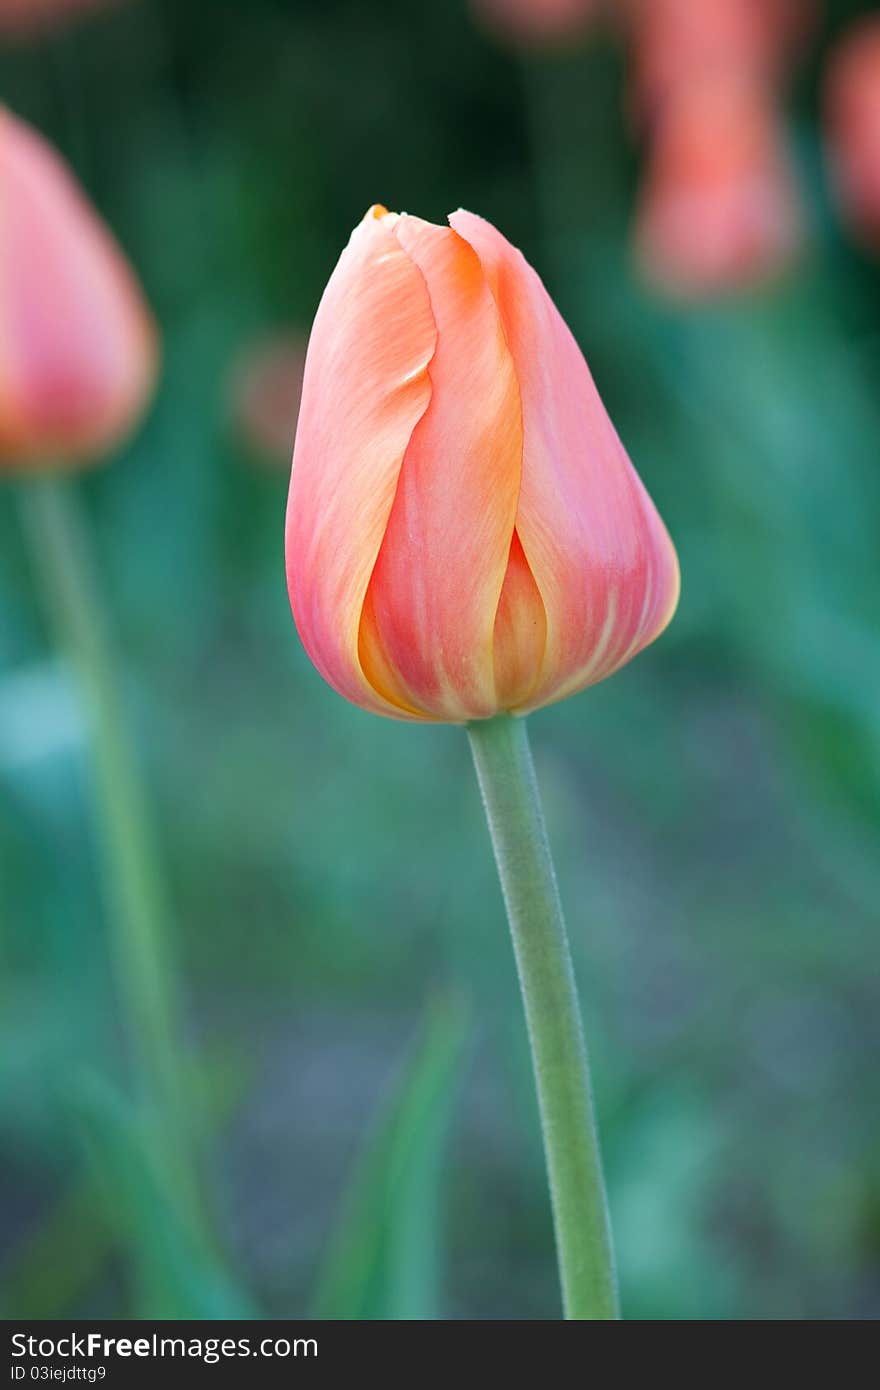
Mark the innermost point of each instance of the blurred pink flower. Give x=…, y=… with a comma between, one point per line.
x=265, y=389
x=22, y=18
x=675, y=42
x=78, y=346
x=720, y=208
x=852, y=118
x=537, y=21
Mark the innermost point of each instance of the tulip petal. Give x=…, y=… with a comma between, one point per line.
x=438, y=579
x=600, y=556
x=520, y=632
x=78, y=350
x=365, y=387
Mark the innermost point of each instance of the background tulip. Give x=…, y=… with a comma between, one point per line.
x=465, y=532
x=537, y=21
x=265, y=385
x=78, y=358
x=676, y=42
x=78, y=349
x=852, y=102
x=719, y=207
x=23, y=18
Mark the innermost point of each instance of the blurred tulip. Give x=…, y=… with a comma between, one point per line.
x=852, y=107
x=22, y=18
x=465, y=533
x=78, y=349
x=677, y=42
x=537, y=21
x=265, y=387
x=720, y=208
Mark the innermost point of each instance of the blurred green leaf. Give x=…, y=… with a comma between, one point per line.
x=384, y=1256
x=176, y=1272
x=68, y=1249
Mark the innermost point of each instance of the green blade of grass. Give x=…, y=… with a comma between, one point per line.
x=384, y=1257
x=69, y=1248
x=177, y=1272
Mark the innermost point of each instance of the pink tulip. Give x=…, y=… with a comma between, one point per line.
x=22, y=18
x=266, y=385
x=719, y=209
x=852, y=103
x=465, y=533
x=78, y=349
x=676, y=42
x=537, y=21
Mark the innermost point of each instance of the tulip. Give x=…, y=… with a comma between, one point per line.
x=23, y=18
x=78, y=357
x=677, y=42
x=265, y=387
x=537, y=21
x=467, y=540
x=719, y=210
x=852, y=107
x=78, y=348
x=465, y=533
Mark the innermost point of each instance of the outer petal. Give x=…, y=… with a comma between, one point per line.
x=77, y=345
x=599, y=554
x=365, y=388
x=437, y=582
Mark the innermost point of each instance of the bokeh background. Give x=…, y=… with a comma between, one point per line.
x=351, y=1039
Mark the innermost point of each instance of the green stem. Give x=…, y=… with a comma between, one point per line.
x=580, y=1213
x=54, y=527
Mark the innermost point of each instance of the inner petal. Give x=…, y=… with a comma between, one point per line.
x=520, y=632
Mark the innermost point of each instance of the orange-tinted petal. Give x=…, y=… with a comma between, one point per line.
x=520, y=632
x=438, y=578
x=600, y=556
x=365, y=388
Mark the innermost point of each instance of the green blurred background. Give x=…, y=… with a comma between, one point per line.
x=354, y=1049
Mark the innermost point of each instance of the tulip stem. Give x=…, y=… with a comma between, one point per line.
x=506, y=775
x=59, y=543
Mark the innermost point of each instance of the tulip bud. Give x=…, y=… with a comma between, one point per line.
x=676, y=42
x=23, y=18
x=465, y=533
x=719, y=209
x=265, y=388
x=537, y=21
x=852, y=104
x=77, y=345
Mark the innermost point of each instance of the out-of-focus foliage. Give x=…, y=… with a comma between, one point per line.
x=715, y=807
x=383, y=1261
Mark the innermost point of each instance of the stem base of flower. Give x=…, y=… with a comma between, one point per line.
x=506, y=775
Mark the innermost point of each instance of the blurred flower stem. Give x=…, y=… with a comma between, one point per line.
x=569, y=102
x=506, y=775
x=54, y=527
